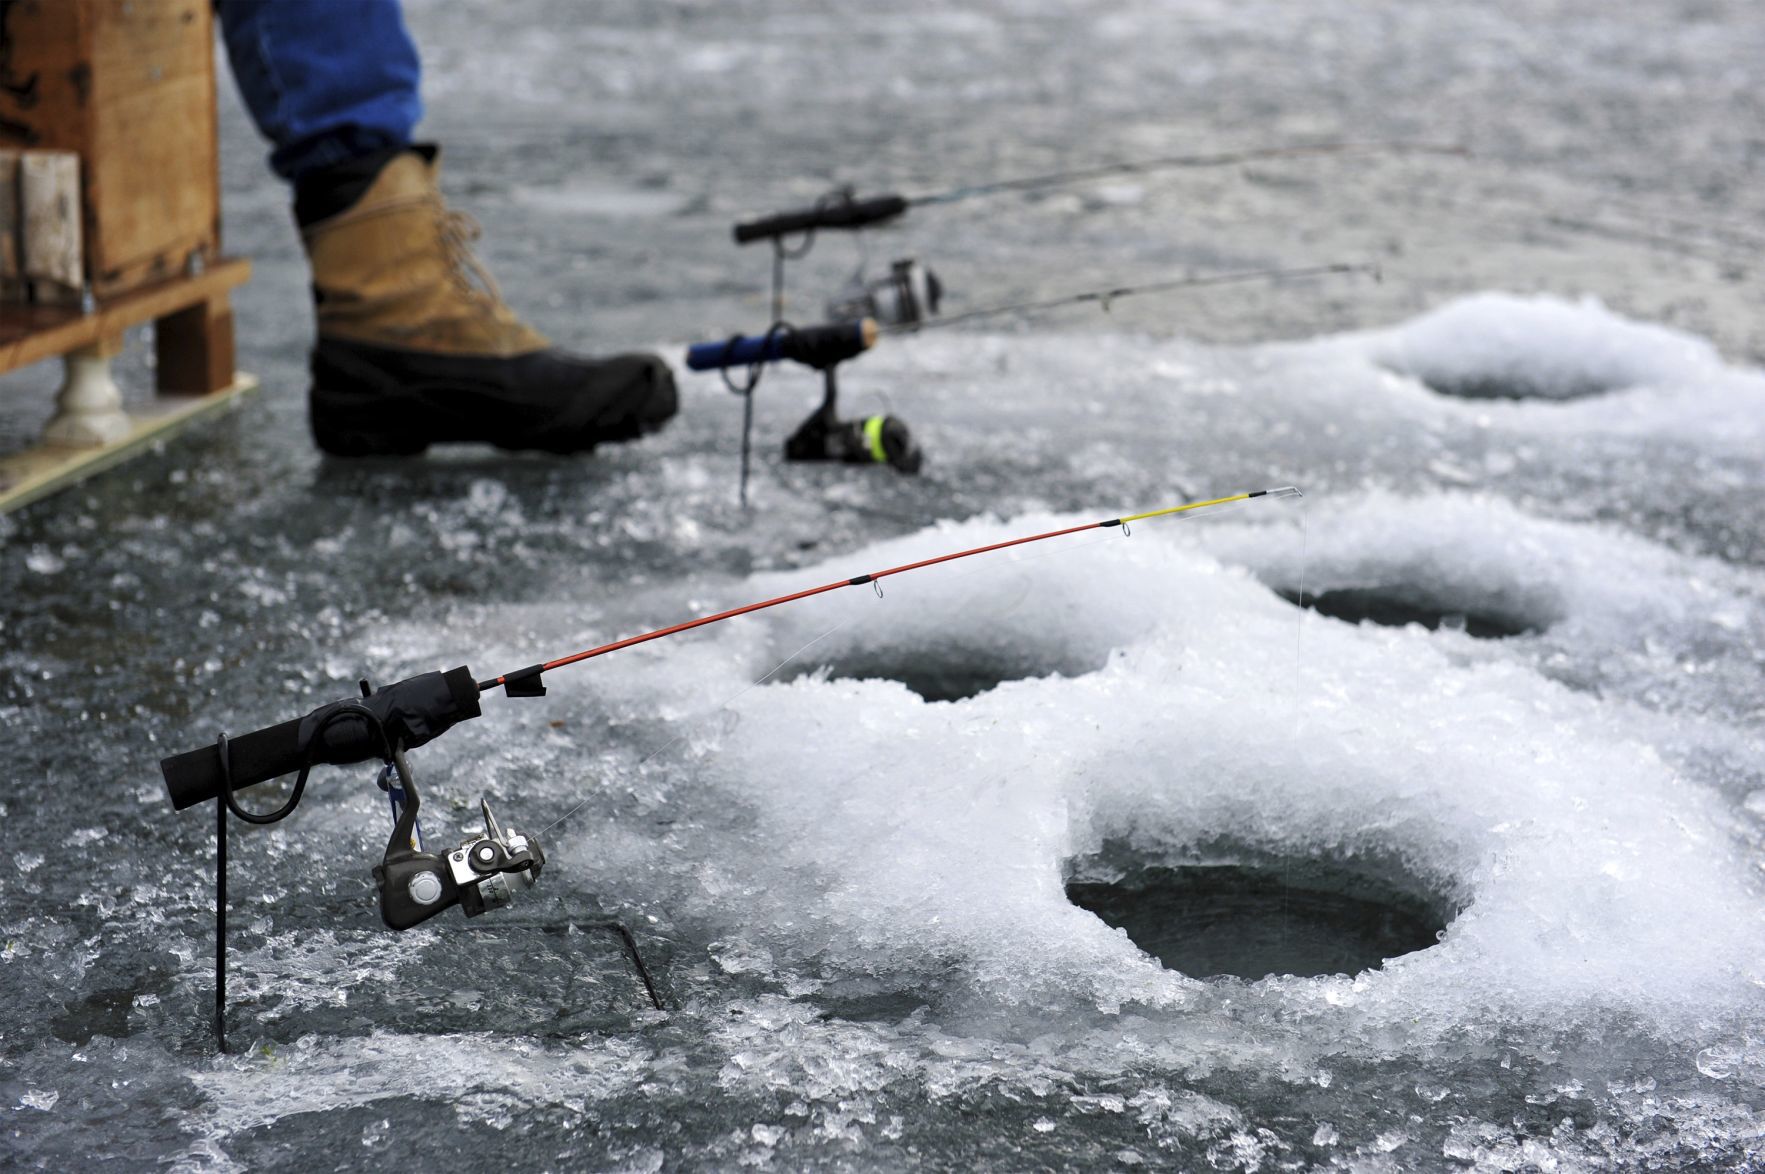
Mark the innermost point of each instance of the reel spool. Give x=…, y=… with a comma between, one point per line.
x=874, y=440
x=907, y=296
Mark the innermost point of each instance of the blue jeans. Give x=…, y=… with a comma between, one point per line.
x=326, y=80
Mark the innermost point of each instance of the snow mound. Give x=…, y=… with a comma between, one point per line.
x=1499, y=346
x=846, y=836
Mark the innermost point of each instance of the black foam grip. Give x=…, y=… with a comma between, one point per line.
x=833, y=214
x=823, y=346
x=411, y=712
x=257, y=757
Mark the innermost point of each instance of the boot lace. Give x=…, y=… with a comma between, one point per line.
x=458, y=231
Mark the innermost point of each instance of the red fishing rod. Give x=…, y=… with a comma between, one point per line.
x=414, y=711
x=525, y=682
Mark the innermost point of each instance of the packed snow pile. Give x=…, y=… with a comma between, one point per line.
x=1496, y=346
x=887, y=838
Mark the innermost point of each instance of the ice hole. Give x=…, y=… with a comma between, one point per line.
x=947, y=673
x=1394, y=607
x=1516, y=384
x=1261, y=916
x=1497, y=346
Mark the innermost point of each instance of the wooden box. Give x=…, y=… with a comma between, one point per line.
x=129, y=85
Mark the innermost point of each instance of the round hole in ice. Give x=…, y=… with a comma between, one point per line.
x=1395, y=607
x=1497, y=346
x=948, y=672
x=1516, y=384
x=1264, y=916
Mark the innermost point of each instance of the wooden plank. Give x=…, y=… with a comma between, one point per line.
x=153, y=134
x=49, y=198
x=43, y=100
x=193, y=348
x=29, y=334
x=12, y=286
x=36, y=473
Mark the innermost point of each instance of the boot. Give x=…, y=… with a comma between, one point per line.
x=415, y=345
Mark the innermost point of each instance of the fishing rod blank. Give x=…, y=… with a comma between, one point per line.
x=1105, y=297
x=842, y=209
x=525, y=682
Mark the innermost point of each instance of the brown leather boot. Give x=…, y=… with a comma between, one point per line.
x=416, y=345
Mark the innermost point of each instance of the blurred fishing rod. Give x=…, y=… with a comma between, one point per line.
x=885, y=439
x=843, y=209
x=910, y=293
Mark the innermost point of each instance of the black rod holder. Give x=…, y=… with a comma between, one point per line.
x=220, y=927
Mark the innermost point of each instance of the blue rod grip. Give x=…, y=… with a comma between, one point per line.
x=741, y=351
x=815, y=346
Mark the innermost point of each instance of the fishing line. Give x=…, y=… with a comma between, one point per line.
x=1736, y=233
x=1175, y=162
x=1529, y=215
x=1299, y=628
x=844, y=209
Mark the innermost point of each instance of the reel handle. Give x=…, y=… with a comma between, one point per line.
x=837, y=213
x=412, y=712
x=813, y=346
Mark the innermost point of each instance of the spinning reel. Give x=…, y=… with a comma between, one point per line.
x=414, y=884
x=483, y=873
x=823, y=436
x=909, y=295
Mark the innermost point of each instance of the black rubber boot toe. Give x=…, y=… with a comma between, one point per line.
x=383, y=401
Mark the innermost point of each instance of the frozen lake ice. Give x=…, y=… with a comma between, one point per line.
x=843, y=831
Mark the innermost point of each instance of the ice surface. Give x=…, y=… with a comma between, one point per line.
x=860, y=891
x=876, y=880
x=852, y=894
